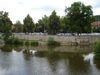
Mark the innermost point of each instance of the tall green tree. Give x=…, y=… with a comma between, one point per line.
x=18, y=27
x=45, y=21
x=5, y=23
x=64, y=24
x=42, y=25
x=28, y=24
x=80, y=17
x=54, y=23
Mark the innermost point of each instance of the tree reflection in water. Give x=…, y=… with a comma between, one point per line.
x=97, y=63
x=73, y=62
x=6, y=48
x=10, y=48
x=77, y=65
x=57, y=63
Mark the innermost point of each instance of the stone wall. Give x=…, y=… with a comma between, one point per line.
x=64, y=40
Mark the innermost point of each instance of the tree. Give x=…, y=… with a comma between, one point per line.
x=18, y=27
x=54, y=23
x=80, y=17
x=42, y=25
x=5, y=24
x=96, y=29
x=64, y=24
x=45, y=21
x=28, y=24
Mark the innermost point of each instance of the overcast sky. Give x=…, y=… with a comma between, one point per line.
x=18, y=9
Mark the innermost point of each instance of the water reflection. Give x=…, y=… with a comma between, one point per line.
x=6, y=48
x=73, y=62
x=47, y=62
x=94, y=63
x=10, y=48
x=97, y=63
x=45, y=48
x=77, y=66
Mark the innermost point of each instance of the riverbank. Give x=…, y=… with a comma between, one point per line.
x=69, y=49
x=64, y=40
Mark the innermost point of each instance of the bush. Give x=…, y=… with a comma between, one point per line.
x=17, y=41
x=13, y=41
x=34, y=43
x=27, y=42
x=52, y=42
x=97, y=50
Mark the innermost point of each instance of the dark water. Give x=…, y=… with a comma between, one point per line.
x=46, y=63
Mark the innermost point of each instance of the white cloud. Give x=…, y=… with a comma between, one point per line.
x=18, y=9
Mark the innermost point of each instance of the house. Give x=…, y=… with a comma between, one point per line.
x=96, y=23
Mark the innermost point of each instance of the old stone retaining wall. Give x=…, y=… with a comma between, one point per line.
x=64, y=40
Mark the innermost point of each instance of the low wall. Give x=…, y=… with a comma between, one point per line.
x=64, y=40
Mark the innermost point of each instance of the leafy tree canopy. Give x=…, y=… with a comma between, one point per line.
x=28, y=24
x=80, y=17
x=54, y=23
x=18, y=27
x=5, y=24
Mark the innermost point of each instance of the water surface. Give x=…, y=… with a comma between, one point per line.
x=16, y=62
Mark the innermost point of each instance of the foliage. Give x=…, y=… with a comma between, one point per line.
x=64, y=22
x=97, y=18
x=5, y=22
x=42, y=25
x=28, y=24
x=27, y=43
x=17, y=27
x=17, y=41
x=96, y=29
x=45, y=20
x=97, y=50
x=13, y=41
x=34, y=43
x=31, y=42
x=80, y=17
x=52, y=42
x=54, y=23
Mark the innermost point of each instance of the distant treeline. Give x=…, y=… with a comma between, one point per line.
x=78, y=19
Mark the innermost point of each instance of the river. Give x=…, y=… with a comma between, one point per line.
x=17, y=62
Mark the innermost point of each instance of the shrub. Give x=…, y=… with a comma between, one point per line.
x=52, y=42
x=17, y=41
x=34, y=43
x=27, y=42
x=13, y=41
x=8, y=40
x=97, y=50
